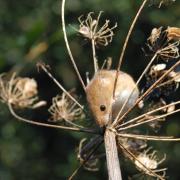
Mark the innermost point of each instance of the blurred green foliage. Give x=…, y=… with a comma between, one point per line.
x=35, y=153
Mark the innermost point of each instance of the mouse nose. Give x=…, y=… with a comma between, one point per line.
x=103, y=120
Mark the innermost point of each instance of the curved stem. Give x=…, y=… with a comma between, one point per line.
x=67, y=46
x=49, y=125
x=126, y=42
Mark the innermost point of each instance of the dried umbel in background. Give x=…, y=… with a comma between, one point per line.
x=112, y=96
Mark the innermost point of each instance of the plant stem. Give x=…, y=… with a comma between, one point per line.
x=112, y=159
x=91, y=131
x=126, y=42
x=94, y=56
x=68, y=47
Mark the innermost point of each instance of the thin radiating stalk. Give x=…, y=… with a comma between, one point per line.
x=126, y=42
x=167, y=82
x=137, y=83
x=91, y=131
x=93, y=45
x=73, y=124
x=132, y=157
x=94, y=56
x=148, y=91
x=149, y=120
x=146, y=137
x=97, y=22
x=68, y=48
x=60, y=86
x=147, y=113
x=11, y=84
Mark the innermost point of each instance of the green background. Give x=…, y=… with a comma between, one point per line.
x=35, y=153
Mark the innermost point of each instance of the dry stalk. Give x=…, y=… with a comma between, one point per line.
x=65, y=107
x=126, y=41
x=149, y=90
x=85, y=130
x=68, y=47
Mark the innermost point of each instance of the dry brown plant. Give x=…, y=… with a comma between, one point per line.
x=112, y=95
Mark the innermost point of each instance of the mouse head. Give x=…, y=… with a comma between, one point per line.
x=99, y=94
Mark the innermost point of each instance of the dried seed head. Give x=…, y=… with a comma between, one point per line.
x=173, y=33
x=84, y=30
x=159, y=43
x=20, y=92
x=150, y=161
x=176, y=77
x=27, y=86
x=89, y=28
x=155, y=35
x=157, y=70
x=158, y=67
x=63, y=108
x=171, y=51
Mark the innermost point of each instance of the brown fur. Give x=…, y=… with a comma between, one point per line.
x=99, y=92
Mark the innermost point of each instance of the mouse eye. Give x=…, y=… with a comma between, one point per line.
x=102, y=107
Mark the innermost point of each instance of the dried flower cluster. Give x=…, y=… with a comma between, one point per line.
x=161, y=80
x=64, y=109
x=136, y=150
x=151, y=161
x=143, y=159
x=165, y=42
x=89, y=28
x=19, y=92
